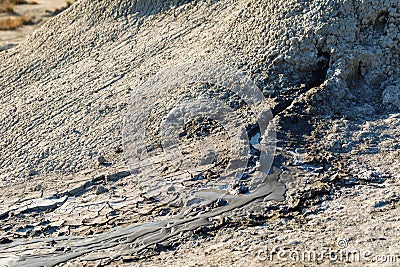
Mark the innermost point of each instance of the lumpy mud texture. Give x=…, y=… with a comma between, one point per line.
x=329, y=70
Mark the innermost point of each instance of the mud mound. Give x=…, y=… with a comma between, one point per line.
x=326, y=68
x=64, y=102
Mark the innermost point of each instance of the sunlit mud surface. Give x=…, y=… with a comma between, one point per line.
x=75, y=190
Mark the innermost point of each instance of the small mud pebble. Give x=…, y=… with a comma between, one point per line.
x=101, y=160
x=118, y=150
x=101, y=189
x=32, y=173
x=5, y=240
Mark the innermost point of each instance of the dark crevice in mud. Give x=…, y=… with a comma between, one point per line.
x=295, y=123
x=82, y=189
x=318, y=76
x=320, y=71
x=380, y=21
x=285, y=101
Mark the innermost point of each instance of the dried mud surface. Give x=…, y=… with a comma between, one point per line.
x=328, y=69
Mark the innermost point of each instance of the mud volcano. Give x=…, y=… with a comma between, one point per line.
x=85, y=177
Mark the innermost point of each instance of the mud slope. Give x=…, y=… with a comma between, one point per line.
x=328, y=69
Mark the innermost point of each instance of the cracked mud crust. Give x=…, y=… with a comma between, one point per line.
x=329, y=71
